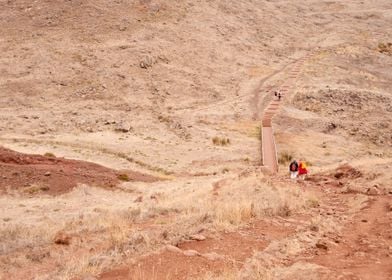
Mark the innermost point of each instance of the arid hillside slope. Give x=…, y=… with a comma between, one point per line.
x=164, y=99
x=156, y=80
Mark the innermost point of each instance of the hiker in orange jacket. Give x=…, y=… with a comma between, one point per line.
x=302, y=170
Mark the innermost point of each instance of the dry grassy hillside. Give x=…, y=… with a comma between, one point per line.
x=170, y=95
x=147, y=78
x=144, y=76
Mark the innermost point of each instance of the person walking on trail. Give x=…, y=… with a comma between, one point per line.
x=302, y=169
x=279, y=96
x=293, y=168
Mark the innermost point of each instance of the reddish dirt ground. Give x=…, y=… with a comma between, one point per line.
x=365, y=248
x=52, y=175
x=214, y=255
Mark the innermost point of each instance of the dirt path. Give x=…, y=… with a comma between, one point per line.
x=365, y=245
x=255, y=101
x=217, y=254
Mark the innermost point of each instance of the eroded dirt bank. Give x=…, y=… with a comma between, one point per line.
x=48, y=174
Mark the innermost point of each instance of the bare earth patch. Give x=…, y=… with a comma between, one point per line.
x=47, y=174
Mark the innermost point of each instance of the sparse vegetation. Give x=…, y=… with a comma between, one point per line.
x=35, y=189
x=220, y=141
x=49, y=154
x=385, y=48
x=232, y=214
x=227, y=274
x=123, y=177
x=255, y=132
x=284, y=210
x=313, y=202
x=164, y=119
x=285, y=158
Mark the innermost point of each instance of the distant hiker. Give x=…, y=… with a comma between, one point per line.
x=302, y=170
x=276, y=94
x=293, y=168
x=279, y=96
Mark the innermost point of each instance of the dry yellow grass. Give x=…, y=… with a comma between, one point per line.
x=220, y=141
x=239, y=200
x=226, y=274
x=176, y=209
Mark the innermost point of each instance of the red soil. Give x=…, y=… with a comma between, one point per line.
x=365, y=247
x=52, y=175
x=232, y=249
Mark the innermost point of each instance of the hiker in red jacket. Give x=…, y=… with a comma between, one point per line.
x=302, y=170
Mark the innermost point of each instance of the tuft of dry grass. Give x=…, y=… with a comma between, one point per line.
x=226, y=274
x=385, y=48
x=33, y=189
x=255, y=132
x=164, y=119
x=123, y=177
x=48, y=154
x=220, y=141
x=285, y=158
x=283, y=210
x=313, y=202
x=16, y=236
x=227, y=213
